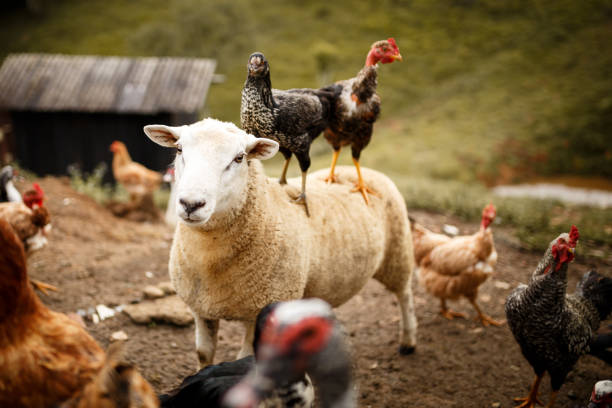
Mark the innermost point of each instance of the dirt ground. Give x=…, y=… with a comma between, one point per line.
x=95, y=258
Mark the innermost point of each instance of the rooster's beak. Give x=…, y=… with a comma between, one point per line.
x=397, y=57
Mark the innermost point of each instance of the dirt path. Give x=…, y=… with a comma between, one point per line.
x=95, y=258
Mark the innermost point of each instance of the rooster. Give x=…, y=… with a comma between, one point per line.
x=8, y=192
x=46, y=356
x=357, y=108
x=293, y=118
x=32, y=226
x=300, y=336
x=601, y=397
x=136, y=178
x=454, y=267
x=207, y=387
x=552, y=328
x=117, y=385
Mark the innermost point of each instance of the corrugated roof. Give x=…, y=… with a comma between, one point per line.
x=87, y=83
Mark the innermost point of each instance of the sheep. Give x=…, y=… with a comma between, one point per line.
x=242, y=243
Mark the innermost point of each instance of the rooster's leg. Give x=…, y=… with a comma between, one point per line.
x=486, y=320
x=332, y=178
x=283, y=177
x=531, y=400
x=449, y=314
x=302, y=197
x=43, y=287
x=360, y=185
x=552, y=399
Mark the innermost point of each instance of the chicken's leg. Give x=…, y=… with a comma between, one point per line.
x=360, y=185
x=486, y=320
x=449, y=314
x=302, y=197
x=283, y=177
x=332, y=178
x=531, y=400
x=552, y=399
x=43, y=287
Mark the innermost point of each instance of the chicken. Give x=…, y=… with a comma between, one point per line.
x=209, y=385
x=357, y=108
x=552, y=328
x=32, y=226
x=136, y=178
x=45, y=356
x=601, y=397
x=34, y=197
x=300, y=336
x=8, y=192
x=117, y=385
x=454, y=267
x=293, y=118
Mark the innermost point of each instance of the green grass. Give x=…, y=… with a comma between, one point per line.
x=489, y=91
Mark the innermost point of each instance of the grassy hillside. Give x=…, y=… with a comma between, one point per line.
x=488, y=91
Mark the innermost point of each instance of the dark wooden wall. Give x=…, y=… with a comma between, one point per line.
x=48, y=142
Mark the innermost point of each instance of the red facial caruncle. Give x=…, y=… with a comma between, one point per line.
x=488, y=215
x=563, y=251
x=34, y=198
x=384, y=52
x=309, y=335
x=114, y=146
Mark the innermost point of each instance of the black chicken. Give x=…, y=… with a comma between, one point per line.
x=602, y=395
x=357, y=108
x=293, y=118
x=301, y=336
x=207, y=387
x=552, y=328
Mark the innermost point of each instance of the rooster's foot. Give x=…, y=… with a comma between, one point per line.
x=43, y=287
x=488, y=320
x=330, y=179
x=528, y=402
x=364, y=190
x=450, y=315
x=302, y=200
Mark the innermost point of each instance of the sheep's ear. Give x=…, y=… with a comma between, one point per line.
x=163, y=135
x=262, y=148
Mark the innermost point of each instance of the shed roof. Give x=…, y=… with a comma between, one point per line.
x=87, y=83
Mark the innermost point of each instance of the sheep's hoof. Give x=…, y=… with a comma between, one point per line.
x=406, y=350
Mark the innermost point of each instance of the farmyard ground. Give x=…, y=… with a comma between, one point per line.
x=95, y=258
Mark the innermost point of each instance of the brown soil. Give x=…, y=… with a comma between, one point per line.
x=96, y=258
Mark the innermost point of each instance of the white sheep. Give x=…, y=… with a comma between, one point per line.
x=242, y=243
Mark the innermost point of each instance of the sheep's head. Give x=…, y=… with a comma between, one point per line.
x=211, y=166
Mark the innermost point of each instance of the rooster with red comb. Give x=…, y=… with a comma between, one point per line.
x=357, y=108
x=553, y=328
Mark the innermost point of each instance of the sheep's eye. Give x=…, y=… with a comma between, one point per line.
x=239, y=158
x=179, y=149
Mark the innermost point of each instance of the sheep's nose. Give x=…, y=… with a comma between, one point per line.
x=191, y=206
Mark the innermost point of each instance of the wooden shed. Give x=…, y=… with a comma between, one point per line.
x=63, y=110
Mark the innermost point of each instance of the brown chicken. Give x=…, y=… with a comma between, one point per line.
x=32, y=227
x=453, y=267
x=118, y=385
x=136, y=178
x=44, y=356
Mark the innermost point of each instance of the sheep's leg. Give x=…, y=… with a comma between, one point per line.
x=206, y=340
x=408, y=325
x=247, y=341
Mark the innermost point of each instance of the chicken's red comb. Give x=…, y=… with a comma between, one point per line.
x=574, y=236
x=38, y=188
x=391, y=41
